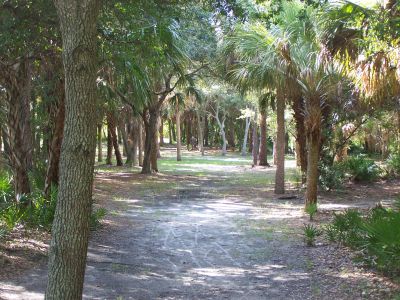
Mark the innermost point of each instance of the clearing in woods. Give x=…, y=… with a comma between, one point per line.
x=211, y=228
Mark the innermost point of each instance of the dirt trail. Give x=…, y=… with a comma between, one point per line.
x=199, y=238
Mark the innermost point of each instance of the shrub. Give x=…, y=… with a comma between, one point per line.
x=331, y=176
x=310, y=234
x=362, y=168
x=393, y=164
x=96, y=216
x=376, y=236
x=311, y=210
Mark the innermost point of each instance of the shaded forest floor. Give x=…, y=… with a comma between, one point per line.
x=211, y=228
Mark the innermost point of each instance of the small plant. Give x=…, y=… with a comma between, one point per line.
x=310, y=234
x=96, y=216
x=311, y=209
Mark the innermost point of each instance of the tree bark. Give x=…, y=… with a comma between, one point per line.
x=255, y=142
x=109, y=147
x=140, y=141
x=52, y=174
x=263, y=139
x=99, y=144
x=298, y=109
x=150, y=144
x=280, y=146
x=70, y=233
x=19, y=88
x=312, y=169
x=114, y=139
x=200, y=130
x=178, y=134
x=246, y=136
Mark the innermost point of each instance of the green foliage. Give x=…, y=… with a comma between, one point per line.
x=311, y=232
x=331, y=177
x=96, y=217
x=362, y=169
x=6, y=189
x=376, y=236
x=311, y=210
x=393, y=164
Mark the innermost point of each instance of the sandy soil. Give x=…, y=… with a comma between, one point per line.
x=203, y=237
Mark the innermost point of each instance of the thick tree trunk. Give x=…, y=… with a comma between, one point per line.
x=263, y=139
x=280, y=146
x=70, y=233
x=132, y=142
x=19, y=89
x=99, y=143
x=312, y=169
x=114, y=139
x=52, y=174
x=178, y=134
x=150, y=145
x=246, y=136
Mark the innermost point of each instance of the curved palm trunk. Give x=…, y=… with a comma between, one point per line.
x=263, y=139
x=280, y=145
x=70, y=232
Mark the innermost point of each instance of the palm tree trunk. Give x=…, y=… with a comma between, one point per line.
x=70, y=232
x=312, y=169
x=255, y=142
x=246, y=136
x=280, y=145
x=99, y=144
x=263, y=139
x=114, y=138
x=178, y=134
x=200, y=130
x=140, y=141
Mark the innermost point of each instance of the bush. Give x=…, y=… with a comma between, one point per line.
x=393, y=164
x=362, y=168
x=331, y=177
x=310, y=234
x=376, y=236
x=96, y=216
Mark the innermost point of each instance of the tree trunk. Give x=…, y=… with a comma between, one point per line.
x=200, y=127
x=52, y=173
x=188, y=130
x=178, y=134
x=246, y=136
x=312, y=169
x=170, y=131
x=109, y=147
x=99, y=144
x=161, y=132
x=263, y=139
x=150, y=145
x=114, y=139
x=19, y=89
x=298, y=109
x=70, y=233
x=231, y=134
x=221, y=125
x=140, y=141
x=255, y=142
x=206, y=131
x=280, y=146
